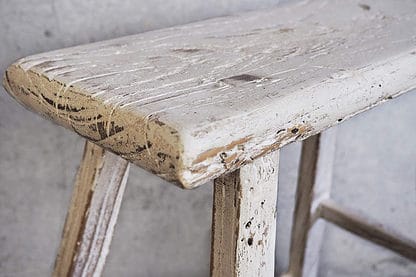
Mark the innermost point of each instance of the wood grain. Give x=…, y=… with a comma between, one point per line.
x=93, y=212
x=244, y=220
x=190, y=103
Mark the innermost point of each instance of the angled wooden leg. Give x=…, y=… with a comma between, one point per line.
x=93, y=212
x=314, y=184
x=244, y=220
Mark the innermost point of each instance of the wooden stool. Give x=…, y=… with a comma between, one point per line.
x=216, y=100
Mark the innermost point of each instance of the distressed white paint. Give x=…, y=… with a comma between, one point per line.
x=244, y=220
x=93, y=213
x=178, y=101
x=108, y=191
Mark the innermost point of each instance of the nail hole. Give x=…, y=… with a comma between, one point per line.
x=250, y=241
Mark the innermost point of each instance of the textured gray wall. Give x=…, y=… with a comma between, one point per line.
x=164, y=231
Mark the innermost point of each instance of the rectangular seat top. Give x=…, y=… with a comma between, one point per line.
x=190, y=103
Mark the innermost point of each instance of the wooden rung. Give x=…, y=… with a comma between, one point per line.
x=368, y=229
x=93, y=212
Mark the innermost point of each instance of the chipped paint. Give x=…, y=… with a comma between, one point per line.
x=193, y=92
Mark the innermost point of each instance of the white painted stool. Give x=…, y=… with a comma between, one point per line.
x=216, y=100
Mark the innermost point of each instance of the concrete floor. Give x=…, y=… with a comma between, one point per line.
x=162, y=230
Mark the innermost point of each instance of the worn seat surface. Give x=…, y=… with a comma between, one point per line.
x=190, y=103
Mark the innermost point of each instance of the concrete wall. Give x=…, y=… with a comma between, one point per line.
x=164, y=231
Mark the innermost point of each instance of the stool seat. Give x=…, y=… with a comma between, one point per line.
x=191, y=103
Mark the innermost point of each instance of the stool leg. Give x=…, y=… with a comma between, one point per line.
x=313, y=202
x=93, y=212
x=244, y=220
x=314, y=184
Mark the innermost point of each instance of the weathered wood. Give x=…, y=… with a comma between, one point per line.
x=244, y=220
x=193, y=102
x=313, y=202
x=321, y=191
x=314, y=185
x=303, y=204
x=368, y=229
x=93, y=212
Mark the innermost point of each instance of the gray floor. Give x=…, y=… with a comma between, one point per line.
x=164, y=231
